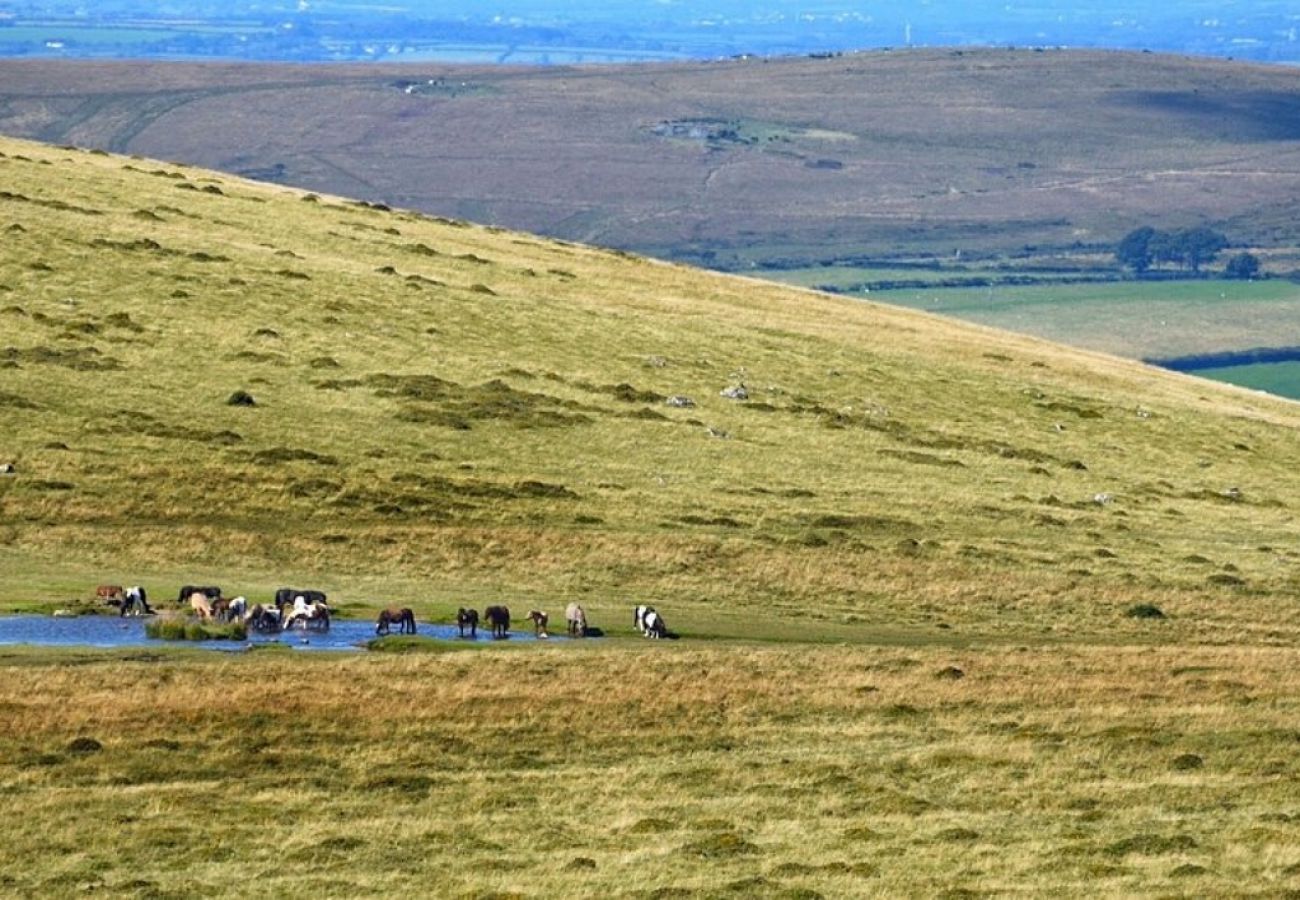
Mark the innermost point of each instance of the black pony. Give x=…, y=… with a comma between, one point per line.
x=467, y=618
x=499, y=618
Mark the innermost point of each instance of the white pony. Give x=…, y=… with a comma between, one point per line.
x=576, y=616
x=308, y=615
x=638, y=617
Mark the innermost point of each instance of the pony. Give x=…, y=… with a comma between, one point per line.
x=539, y=620
x=135, y=596
x=236, y=609
x=188, y=591
x=221, y=609
x=404, y=618
x=654, y=625
x=467, y=618
x=285, y=597
x=109, y=593
x=308, y=615
x=576, y=616
x=638, y=617
x=499, y=618
x=201, y=605
x=265, y=619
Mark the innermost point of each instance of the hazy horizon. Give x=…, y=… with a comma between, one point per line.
x=550, y=31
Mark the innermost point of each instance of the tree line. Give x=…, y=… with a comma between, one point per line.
x=1190, y=248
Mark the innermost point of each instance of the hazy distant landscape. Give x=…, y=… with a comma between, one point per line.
x=551, y=32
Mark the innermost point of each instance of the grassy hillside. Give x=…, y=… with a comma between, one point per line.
x=446, y=413
x=903, y=571
x=734, y=163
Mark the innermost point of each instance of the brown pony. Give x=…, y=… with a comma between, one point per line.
x=107, y=593
x=404, y=618
x=467, y=618
x=499, y=618
x=539, y=620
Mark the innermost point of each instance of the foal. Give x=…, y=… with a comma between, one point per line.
x=539, y=620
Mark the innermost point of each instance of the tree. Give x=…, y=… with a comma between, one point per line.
x=1244, y=266
x=1134, y=250
x=1201, y=245
x=1191, y=247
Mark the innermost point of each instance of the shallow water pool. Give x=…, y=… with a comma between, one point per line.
x=113, y=631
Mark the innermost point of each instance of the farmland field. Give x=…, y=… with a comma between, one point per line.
x=1282, y=379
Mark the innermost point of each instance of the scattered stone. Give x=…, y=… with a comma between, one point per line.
x=1102, y=499
x=7, y=469
x=680, y=401
x=719, y=433
x=739, y=392
x=1232, y=493
x=656, y=362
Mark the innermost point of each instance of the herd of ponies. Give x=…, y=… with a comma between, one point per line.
x=309, y=609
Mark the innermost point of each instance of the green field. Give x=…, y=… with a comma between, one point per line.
x=1282, y=379
x=1140, y=320
x=960, y=611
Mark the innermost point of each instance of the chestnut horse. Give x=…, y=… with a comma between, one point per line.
x=404, y=618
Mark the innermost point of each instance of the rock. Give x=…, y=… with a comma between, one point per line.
x=719, y=433
x=739, y=392
x=7, y=469
x=1102, y=499
x=680, y=401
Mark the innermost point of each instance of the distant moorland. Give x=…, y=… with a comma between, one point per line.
x=1030, y=158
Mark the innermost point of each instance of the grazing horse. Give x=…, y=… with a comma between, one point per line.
x=654, y=625
x=285, y=597
x=539, y=620
x=308, y=615
x=404, y=618
x=201, y=605
x=135, y=597
x=467, y=618
x=109, y=593
x=638, y=617
x=261, y=618
x=189, y=590
x=576, y=616
x=221, y=609
x=236, y=609
x=499, y=618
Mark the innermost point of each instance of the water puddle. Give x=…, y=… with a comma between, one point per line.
x=113, y=631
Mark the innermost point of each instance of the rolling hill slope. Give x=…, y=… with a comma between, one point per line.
x=770, y=161
x=443, y=411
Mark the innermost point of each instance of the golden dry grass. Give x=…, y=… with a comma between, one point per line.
x=659, y=772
